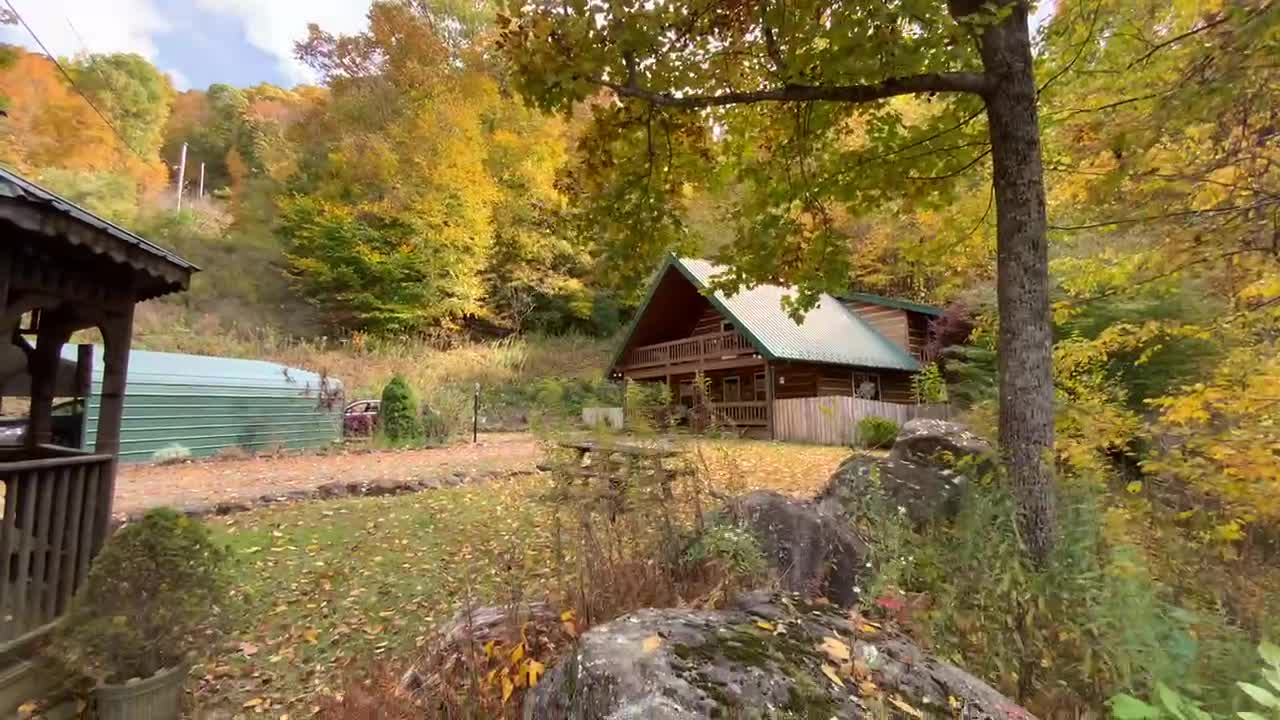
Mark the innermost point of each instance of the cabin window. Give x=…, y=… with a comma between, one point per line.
x=731, y=389
x=866, y=385
x=726, y=326
x=762, y=390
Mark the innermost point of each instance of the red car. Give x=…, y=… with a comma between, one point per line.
x=360, y=418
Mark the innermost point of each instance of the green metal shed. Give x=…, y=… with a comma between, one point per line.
x=205, y=404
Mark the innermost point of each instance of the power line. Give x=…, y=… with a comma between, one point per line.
x=72, y=81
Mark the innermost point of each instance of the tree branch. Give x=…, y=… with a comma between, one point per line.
x=1165, y=216
x=1179, y=38
x=959, y=82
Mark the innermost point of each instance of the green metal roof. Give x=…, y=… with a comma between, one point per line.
x=829, y=333
x=893, y=303
x=180, y=368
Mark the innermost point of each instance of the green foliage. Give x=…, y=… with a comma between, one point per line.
x=369, y=271
x=154, y=594
x=132, y=92
x=1269, y=696
x=1170, y=705
x=971, y=374
x=928, y=385
x=1160, y=365
x=398, y=419
x=876, y=432
x=731, y=547
x=112, y=195
x=1092, y=623
x=648, y=407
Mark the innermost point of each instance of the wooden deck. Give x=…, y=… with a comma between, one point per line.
x=705, y=350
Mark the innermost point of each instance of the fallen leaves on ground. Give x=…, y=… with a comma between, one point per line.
x=328, y=586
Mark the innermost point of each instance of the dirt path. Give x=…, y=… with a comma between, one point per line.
x=139, y=487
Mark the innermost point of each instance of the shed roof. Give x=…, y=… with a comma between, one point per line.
x=181, y=369
x=44, y=213
x=829, y=333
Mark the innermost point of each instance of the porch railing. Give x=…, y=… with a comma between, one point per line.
x=742, y=413
x=699, y=347
x=47, y=533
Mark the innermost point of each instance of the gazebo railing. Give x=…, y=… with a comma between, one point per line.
x=51, y=507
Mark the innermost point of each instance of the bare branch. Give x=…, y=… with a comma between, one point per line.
x=1179, y=38
x=1165, y=216
x=1132, y=284
x=1093, y=27
x=957, y=82
x=771, y=42
x=958, y=171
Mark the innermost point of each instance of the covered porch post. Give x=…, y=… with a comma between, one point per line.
x=117, y=336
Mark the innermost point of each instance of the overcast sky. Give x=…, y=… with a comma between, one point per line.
x=199, y=42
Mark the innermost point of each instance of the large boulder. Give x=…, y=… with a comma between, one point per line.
x=925, y=441
x=924, y=493
x=772, y=657
x=813, y=552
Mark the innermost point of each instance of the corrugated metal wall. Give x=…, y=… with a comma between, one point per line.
x=205, y=404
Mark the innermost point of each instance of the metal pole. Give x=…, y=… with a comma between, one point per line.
x=201, y=181
x=475, y=416
x=182, y=174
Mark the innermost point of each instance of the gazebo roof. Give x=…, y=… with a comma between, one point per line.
x=54, y=225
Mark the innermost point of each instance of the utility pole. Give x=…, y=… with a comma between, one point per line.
x=201, y=181
x=182, y=174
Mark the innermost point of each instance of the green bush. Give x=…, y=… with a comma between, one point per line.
x=928, y=385
x=152, y=597
x=731, y=547
x=876, y=432
x=1092, y=623
x=398, y=413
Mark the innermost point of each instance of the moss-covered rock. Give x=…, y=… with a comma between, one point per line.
x=774, y=656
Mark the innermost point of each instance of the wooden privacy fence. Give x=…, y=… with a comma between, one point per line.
x=834, y=420
x=51, y=519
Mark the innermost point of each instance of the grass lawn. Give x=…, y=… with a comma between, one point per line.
x=328, y=585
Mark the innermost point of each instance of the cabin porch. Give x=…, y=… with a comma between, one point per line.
x=62, y=271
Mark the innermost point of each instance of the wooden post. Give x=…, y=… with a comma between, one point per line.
x=771, y=406
x=6, y=263
x=116, y=335
x=43, y=366
x=84, y=388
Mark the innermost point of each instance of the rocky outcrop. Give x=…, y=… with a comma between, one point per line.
x=925, y=476
x=812, y=551
x=925, y=441
x=774, y=656
x=923, y=493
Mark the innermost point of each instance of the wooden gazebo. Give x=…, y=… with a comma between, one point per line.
x=62, y=270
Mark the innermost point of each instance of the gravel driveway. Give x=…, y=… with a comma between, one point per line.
x=139, y=487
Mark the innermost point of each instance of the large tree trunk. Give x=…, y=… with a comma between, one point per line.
x=1026, y=369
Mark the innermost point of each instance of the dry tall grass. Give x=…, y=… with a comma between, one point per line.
x=365, y=364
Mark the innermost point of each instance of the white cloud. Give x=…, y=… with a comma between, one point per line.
x=179, y=79
x=275, y=25
x=71, y=27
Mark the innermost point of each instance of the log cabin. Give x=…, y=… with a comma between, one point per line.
x=750, y=352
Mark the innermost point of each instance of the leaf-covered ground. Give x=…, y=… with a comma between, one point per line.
x=326, y=585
